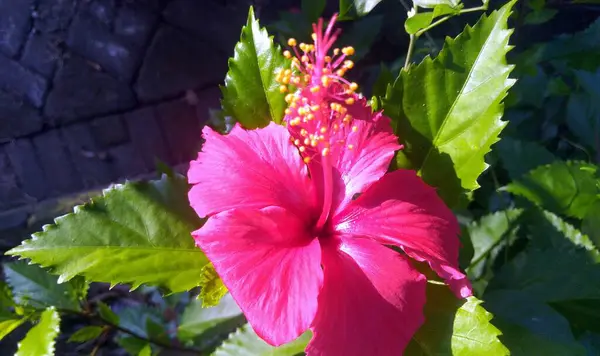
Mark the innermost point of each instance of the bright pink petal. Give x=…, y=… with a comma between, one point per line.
x=270, y=265
x=371, y=302
x=249, y=169
x=400, y=209
x=373, y=145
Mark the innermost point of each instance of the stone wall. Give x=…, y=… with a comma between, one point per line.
x=92, y=91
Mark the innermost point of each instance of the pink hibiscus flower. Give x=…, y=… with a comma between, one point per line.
x=299, y=217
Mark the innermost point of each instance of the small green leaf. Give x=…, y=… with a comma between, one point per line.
x=39, y=341
x=313, y=9
x=520, y=157
x=137, y=232
x=349, y=8
x=107, y=314
x=132, y=345
x=251, y=95
x=6, y=297
x=8, y=325
x=591, y=223
x=246, y=342
x=197, y=319
x=146, y=351
x=568, y=188
x=530, y=327
x=423, y=19
x=212, y=287
x=32, y=285
x=447, y=110
x=86, y=334
x=541, y=16
x=455, y=327
x=430, y=4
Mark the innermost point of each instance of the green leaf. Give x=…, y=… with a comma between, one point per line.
x=6, y=297
x=107, y=314
x=212, y=287
x=568, y=188
x=251, y=95
x=541, y=16
x=591, y=223
x=39, y=341
x=32, y=285
x=430, y=4
x=583, y=112
x=348, y=8
x=146, y=351
x=246, y=342
x=8, y=325
x=455, y=327
x=447, y=110
x=519, y=157
x=530, y=327
x=132, y=345
x=423, y=19
x=137, y=232
x=86, y=333
x=313, y=9
x=384, y=78
x=197, y=319
x=489, y=236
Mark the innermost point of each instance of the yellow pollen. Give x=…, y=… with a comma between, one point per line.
x=350, y=101
x=296, y=142
x=287, y=111
x=310, y=116
x=325, y=81
x=348, y=64
x=340, y=72
x=325, y=151
x=301, y=111
x=315, y=89
x=306, y=141
x=292, y=42
x=286, y=80
x=303, y=132
x=306, y=160
x=353, y=86
x=348, y=51
x=289, y=98
x=350, y=146
x=314, y=108
x=296, y=80
x=304, y=58
x=302, y=148
x=313, y=143
x=327, y=59
x=323, y=129
x=354, y=128
x=346, y=119
x=336, y=51
x=313, y=36
x=287, y=54
x=283, y=89
x=303, y=47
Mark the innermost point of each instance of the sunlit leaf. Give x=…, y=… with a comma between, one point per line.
x=39, y=340
x=107, y=314
x=251, y=95
x=455, y=327
x=350, y=8
x=447, y=110
x=212, y=287
x=246, y=342
x=197, y=319
x=138, y=232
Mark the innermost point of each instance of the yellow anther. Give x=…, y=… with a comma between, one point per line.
x=327, y=59
x=323, y=129
x=354, y=128
x=304, y=58
x=348, y=64
x=306, y=160
x=325, y=80
x=350, y=146
x=303, y=46
x=292, y=42
x=303, y=132
x=314, y=108
x=315, y=89
x=301, y=111
x=310, y=116
x=287, y=54
x=348, y=51
x=346, y=119
x=306, y=141
x=283, y=89
x=311, y=48
x=325, y=151
x=296, y=80
x=340, y=72
x=353, y=86
x=295, y=60
x=293, y=104
x=285, y=80
x=336, y=127
x=288, y=111
x=313, y=143
x=296, y=142
x=287, y=72
x=313, y=36
x=350, y=101
x=302, y=148
x=289, y=98
x=336, y=51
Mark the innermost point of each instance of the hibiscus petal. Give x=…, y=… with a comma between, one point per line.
x=371, y=302
x=400, y=209
x=270, y=265
x=373, y=145
x=249, y=169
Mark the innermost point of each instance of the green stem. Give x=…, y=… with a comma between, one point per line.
x=411, y=45
x=446, y=18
